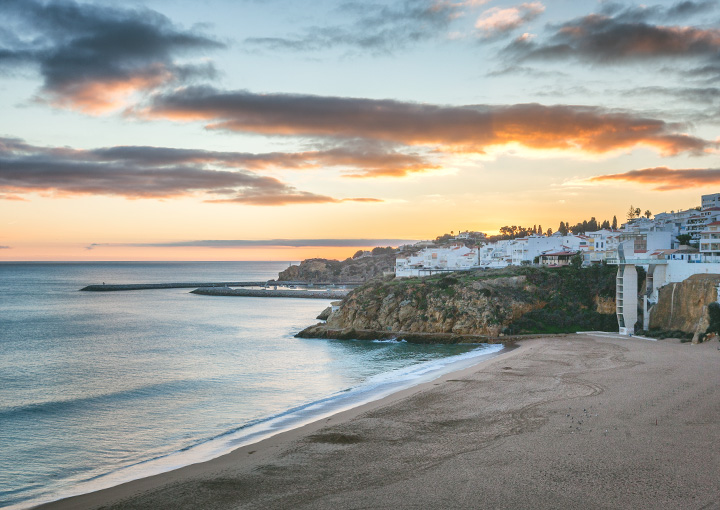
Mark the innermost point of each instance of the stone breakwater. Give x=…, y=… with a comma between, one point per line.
x=306, y=294
x=150, y=286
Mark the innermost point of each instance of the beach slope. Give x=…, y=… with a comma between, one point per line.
x=558, y=423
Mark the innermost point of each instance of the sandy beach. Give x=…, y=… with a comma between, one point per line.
x=570, y=422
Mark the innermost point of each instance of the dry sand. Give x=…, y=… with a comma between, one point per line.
x=570, y=422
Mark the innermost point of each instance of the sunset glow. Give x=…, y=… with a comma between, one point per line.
x=126, y=129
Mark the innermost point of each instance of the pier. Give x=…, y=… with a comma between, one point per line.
x=282, y=293
x=148, y=286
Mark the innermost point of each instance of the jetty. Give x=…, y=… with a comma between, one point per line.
x=280, y=293
x=148, y=286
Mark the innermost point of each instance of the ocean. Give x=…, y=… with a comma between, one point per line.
x=101, y=388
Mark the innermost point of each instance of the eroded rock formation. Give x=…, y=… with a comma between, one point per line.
x=684, y=306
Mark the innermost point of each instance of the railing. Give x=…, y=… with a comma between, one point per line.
x=637, y=262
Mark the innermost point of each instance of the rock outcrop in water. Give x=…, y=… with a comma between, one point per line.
x=478, y=304
x=358, y=270
x=684, y=306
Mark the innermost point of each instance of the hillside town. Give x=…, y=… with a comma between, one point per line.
x=691, y=236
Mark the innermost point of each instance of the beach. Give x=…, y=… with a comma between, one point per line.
x=577, y=421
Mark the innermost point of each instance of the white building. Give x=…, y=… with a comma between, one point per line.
x=710, y=241
x=648, y=240
x=436, y=260
x=696, y=223
x=496, y=255
x=526, y=249
x=709, y=201
x=604, y=246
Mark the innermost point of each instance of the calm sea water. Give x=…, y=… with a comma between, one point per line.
x=101, y=388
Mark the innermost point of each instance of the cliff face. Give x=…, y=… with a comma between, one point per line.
x=334, y=271
x=484, y=303
x=683, y=306
x=481, y=308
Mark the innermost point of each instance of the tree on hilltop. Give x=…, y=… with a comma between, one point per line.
x=633, y=212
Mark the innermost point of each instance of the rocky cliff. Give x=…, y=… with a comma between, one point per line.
x=478, y=303
x=684, y=306
x=334, y=271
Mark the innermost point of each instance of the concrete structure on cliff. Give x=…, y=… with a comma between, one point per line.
x=662, y=267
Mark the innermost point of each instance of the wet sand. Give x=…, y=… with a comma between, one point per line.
x=559, y=423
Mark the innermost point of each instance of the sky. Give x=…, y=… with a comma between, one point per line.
x=283, y=130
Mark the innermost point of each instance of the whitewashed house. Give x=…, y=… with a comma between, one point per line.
x=710, y=242
x=436, y=260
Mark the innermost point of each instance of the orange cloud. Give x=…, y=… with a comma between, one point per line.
x=291, y=196
x=667, y=179
x=105, y=95
x=472, y=129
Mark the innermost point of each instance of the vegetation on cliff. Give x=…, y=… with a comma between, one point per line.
x=490, y=303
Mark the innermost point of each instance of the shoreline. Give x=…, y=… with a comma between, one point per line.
x=584, y=421
x=347, y=410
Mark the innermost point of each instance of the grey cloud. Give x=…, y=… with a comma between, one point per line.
x=709, y=74
x=683, y=10
x=77, y=46
x=701, y=95
x=355, y=157
x=254, y=243
x=676, y=12
x=629, y=35
x=515, y=69
x=138, y=172
x=375, y=27
x=4, y=247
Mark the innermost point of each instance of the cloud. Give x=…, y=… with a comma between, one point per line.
x=356, y=158
x=285, y=197
x=702, y=95
x=667, y=179
x=534, y=72
x=375, y=27
x=686, y=9
x=624, y=36
x=5, y=248
x=448, y=129
x=93, y=57
x=497, y=21
x=141, y=172
x=258, y=243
